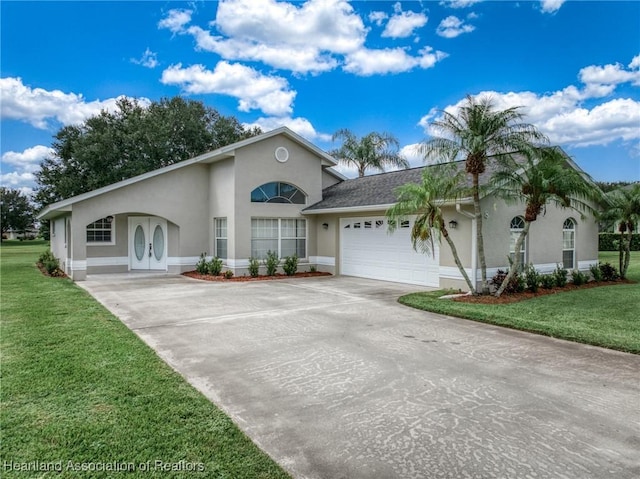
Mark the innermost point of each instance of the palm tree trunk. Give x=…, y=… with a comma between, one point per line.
x=621, y=249
x=516, y=260
x=484, y=287
x=627, y=252
x=456, y=258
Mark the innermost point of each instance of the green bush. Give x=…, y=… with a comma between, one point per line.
x=49, y=262
x=312, y=269
x=547, y=281
x=254, y=267
x=560, y=276
x=214, y=266
x=228, y=274
x=532, y=278
x=611, y=241
x=596, y=274
x=516, y=284
x=579, y=278
x=609, y=272
x=201, y=265
x=271, y=262
x=290, y=265
x=46, y=256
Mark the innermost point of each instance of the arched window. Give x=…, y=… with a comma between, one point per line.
x=569, y=244
x=278, y=192
x=515, y=229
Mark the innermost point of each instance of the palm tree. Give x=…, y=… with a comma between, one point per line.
x=623, y=208
x=479, y=134
x=440, y=185
x=374, y=150
x=541, y=177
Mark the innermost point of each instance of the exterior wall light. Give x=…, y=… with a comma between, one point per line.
x=453, y=224
x=109, y=219
x=325, y=226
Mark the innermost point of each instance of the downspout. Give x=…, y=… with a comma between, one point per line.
x=474, y=243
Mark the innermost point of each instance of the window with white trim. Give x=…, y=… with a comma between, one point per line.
x=515, y=229
x=569, y=244
x=220, y=233
x=278, y=192
x=101, y=231
x=285, y=236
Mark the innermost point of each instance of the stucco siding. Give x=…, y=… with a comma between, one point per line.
x=58, y=239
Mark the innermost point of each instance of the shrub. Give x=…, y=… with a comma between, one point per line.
x=609, y=272
x=579, y=278
x=271, y=262
x=596, y=274
x=46, y=256
x=547, y=281
x=201, y=265
x=312, y=269
x=611, y=241
x=214, y=266
x=516, y=284
x=290, y=265
x=49, y=262
x=531, y=278
x=560, y=276
x=254, y=267
x=228, y=274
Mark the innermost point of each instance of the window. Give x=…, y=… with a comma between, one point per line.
x=277, y=192
x=404, y=224
x=516, y=227
x=568, y=243
x=285, y=236
x=101, y=231
x=220, y=230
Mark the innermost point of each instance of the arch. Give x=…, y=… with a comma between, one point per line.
x=516, y=226
x=278, y=192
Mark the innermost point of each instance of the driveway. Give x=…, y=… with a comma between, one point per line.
x=334, y=379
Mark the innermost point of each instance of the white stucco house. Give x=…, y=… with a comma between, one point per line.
x=277, y=191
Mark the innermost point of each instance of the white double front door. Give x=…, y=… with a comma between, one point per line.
x=147, y=243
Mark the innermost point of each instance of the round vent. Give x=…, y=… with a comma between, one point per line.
x=282, y=154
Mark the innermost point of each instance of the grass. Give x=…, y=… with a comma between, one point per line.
x=78, y=386
x=606, y=316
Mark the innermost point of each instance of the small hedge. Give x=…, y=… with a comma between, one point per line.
x=610, y=242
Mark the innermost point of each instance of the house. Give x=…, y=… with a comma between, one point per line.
x=279, y=192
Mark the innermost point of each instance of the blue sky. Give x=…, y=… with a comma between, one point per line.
x=321, y=65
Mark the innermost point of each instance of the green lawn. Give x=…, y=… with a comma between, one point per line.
x=606, y=316
x=77, y=385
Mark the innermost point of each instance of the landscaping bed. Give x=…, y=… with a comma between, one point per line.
x=221, y=277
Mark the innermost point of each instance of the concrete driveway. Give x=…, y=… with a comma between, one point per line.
x=334, y=379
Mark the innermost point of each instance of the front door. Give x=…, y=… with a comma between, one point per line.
x=147, y=243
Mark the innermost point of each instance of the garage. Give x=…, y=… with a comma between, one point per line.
x=369, y=251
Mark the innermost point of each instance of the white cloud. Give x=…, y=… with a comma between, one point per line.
x=175, y=20
x=301, y=126
x=148, y=59
x=635, y=63
x=459, y=3
x=255, y=91
x=551, y=6
x=378, y=17
x=390, y=60
x=452, y=27
x=27, y=160
x=402, y=24
x=612, y=74
x=38, y=106
x=16, y=179
x=563, y=116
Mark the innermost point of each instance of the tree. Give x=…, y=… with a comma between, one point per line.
x=131, y=140
x=441, y=184
x=16, y=212
x=374, y=150
x=622, y=206
x=540, y=178
x=480, y=134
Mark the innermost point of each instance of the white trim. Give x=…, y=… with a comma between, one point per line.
x=78, y=265
x=109, y=261
x=219, y=154
x=323, y=260
x=238, y=263
x=452, y=272
x=348, y=209
x=184, y=260
x=587, y=264
x=543, y=268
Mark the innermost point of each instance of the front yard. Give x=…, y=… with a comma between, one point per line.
x=82, y=396
x=605, y=316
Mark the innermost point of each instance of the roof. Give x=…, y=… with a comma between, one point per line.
x=369, y=191
x=55, y=209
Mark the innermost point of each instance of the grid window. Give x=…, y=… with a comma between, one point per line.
x=220, y=226
x=278, y=192
x=285, y=236
x=516, y=227
x=100, y=231
x=568, y=244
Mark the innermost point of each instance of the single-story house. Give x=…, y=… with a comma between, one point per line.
x=279, y=192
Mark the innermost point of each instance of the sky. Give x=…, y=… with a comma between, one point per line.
x=322, y=65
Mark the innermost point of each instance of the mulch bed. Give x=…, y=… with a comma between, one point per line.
x=208, y=277
x=58, y=273
x=515, y=297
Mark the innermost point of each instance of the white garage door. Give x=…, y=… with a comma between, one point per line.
x=369, y=251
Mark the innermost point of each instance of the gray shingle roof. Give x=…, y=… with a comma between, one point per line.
x=369, y=190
